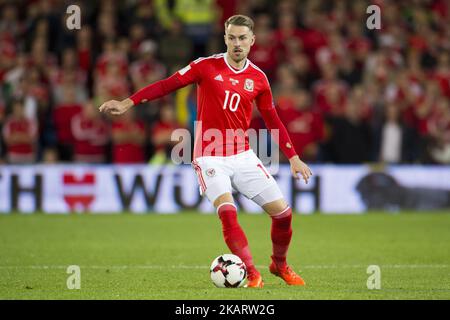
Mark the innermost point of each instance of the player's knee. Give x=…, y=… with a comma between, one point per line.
x=275, y=207
x=223, y=198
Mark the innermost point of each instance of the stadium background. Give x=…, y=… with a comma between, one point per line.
x=377, y=100
x=346, y=94
x=367, y=109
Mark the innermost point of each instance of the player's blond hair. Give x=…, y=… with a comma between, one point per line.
x=240, y=20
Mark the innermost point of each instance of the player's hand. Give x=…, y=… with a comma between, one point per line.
x=298, y=166
x=115, y=107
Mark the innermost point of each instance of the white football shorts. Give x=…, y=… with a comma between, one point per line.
x=242, y=172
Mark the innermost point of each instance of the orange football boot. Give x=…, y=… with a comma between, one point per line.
x=287, y=274
x=254, y=281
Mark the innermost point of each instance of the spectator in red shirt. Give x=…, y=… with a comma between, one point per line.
x=161, y=134
x=63, y=113
x=442, y=73
x=334, y=52
x=227, y=9
x=147, y=69
x=286, y=86
x=330, y=92
x=40, y=57
x=69, y=73
x=128, y=137
x=91, y=133
x=305, y=125
x=264, y=52
x=314, y=35
x=84, y=48
x=111, y=55
x=20, y=136
x=358, y=45
x=113, y=84
x=8, y=54
x=287, y=31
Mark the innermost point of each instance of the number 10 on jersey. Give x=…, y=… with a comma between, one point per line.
x=232, y=102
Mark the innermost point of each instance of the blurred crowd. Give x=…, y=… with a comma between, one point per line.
x=347, y=94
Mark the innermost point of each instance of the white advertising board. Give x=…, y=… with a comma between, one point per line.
x=169, y=189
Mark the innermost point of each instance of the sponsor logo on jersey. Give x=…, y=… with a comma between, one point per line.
x=218, y=77
x=248, y=85
x=234, y=81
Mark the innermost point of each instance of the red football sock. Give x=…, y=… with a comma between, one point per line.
x=281, y=234
x=234, y=236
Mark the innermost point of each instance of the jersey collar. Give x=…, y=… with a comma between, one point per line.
x=233, y=69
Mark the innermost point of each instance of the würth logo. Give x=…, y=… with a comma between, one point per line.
x=79, y=191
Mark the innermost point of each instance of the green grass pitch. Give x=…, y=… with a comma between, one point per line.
x=168, y=256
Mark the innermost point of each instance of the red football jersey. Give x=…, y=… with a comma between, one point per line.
x=20, y=151
x=91, y=137
x=225, y=101
x=128, y=151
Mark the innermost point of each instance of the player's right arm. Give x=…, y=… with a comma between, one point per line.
x=187, y=75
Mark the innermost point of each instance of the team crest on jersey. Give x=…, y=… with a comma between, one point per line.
x=210, y=172
x=248, y=85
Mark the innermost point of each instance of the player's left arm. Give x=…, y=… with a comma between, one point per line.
x=266, y=107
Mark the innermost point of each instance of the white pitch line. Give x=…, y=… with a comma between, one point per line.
x=389, y=266
x=356, y=266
